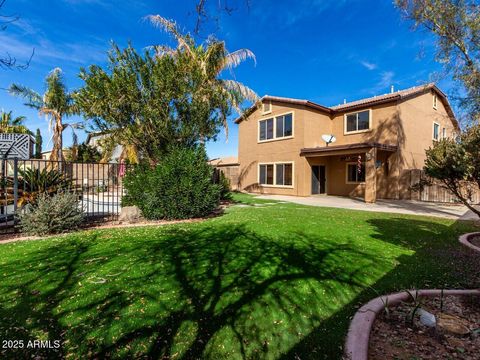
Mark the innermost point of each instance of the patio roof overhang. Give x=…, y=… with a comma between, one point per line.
x=342, y=149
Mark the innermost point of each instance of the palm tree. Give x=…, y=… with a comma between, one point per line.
x=9, y=124
x=55, y=103
x=213, y=58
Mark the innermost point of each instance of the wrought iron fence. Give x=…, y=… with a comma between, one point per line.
x=99, y=187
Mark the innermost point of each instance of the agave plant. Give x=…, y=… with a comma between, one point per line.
x=33, y=183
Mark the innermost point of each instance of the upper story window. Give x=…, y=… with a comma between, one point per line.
x=359, y=121
x=266, y=107
x=436, y=131
x=266, y=129
x=435, y=101
x=276, y=128
x=444, y=133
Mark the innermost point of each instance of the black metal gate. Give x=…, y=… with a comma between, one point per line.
x=99, y=187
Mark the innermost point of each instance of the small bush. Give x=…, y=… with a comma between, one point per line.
x=180, y=187
x=51, y=214
x=224, y=184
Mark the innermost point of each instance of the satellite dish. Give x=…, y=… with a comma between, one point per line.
x=329, y=138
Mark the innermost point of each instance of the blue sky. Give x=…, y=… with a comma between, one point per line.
x=324, y=51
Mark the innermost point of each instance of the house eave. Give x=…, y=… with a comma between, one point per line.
x=331, y=150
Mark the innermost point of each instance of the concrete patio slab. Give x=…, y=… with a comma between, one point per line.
x=453, y=211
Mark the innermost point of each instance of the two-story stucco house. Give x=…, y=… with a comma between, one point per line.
x=379, y=141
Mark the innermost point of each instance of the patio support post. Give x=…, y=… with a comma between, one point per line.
x=370, y=176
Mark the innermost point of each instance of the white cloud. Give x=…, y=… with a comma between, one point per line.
x=369, y=65
x=45, y=50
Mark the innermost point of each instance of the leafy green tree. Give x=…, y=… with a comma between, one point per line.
x=456, y=164
x=56, y=103
x=84, y=153
x=164, y=97
x=456, y=25
x=38, y=144
x=10, y=124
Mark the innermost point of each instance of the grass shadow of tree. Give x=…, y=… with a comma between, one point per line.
x=439, y=261
x=229, y=288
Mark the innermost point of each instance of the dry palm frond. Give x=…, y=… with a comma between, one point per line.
x=34, y=99
x=235, y=58
x=170, y=27
x=161, y=50
x=241, y=89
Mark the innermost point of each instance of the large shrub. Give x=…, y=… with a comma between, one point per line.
x=52, y=214
x=224, y=184
x=179, y=187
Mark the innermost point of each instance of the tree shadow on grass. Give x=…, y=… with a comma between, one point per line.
x=214, y=291
x=438, y=261
x=28, y=313
x=183, y=293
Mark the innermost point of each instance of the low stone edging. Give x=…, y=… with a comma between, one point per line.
x=465, y=240
x=356, y=345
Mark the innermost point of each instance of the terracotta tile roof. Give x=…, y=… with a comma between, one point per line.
x=225, y=161
x=375, y=100
x=401, y=94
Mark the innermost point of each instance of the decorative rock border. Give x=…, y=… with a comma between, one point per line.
x=356, y=345
x=465, y=240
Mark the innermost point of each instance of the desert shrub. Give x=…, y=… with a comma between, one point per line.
x=51, y=214
x=179, y=187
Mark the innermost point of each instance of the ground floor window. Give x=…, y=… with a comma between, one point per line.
x=278, y=174
x=355, y=173
x=266, y=174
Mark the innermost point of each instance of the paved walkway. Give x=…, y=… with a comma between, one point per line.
x=391, y=206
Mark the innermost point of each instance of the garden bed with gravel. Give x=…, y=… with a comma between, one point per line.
x=402, y=333
x=475, y=240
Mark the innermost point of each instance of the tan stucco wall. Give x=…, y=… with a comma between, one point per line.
x=251, y=152
x=417, y=117
x=384, y=128
x=408, y=125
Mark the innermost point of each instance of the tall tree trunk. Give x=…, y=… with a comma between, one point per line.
x=57, y=153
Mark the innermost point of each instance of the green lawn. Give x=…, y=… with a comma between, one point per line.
x=264, y=281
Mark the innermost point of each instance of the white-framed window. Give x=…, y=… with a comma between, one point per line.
x=266, y=107
x=444, y=133
x=276, y=174
x=358, y=121
x=265, y=172
x=435, y=101
x=283, y=174
x=265, y=129
x=436, y=131
x=277, y=127
x=355, y=175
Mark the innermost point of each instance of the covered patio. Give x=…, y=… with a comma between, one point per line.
x=360, y=170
